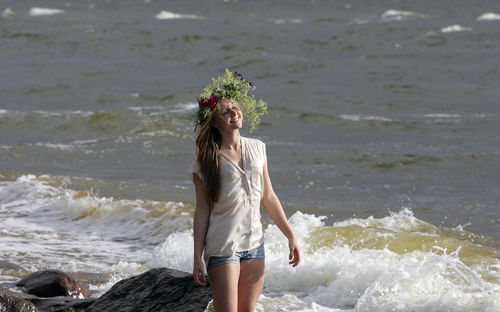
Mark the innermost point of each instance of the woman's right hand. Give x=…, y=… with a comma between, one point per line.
x=294, y=255
x=199, y=275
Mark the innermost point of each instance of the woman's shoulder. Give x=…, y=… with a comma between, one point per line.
x=254, y=142
x=255, y=147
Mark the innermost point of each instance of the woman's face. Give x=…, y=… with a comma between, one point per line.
x=230, y=115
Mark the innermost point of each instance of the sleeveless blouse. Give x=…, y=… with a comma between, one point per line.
x=234, y=224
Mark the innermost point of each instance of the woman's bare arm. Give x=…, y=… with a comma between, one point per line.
x=273, y=207
x=200, y=226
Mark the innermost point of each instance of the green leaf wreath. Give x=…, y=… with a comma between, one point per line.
x=232, y=86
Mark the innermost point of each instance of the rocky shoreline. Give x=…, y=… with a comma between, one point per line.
x=157, y=290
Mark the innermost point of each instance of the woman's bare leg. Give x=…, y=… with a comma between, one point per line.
x=224, y=285
x=250, y=284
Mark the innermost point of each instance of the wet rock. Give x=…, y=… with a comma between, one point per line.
x=10, y=302
x=61, y=304
x=51, y=283
x=433, y=38
x=157, y=290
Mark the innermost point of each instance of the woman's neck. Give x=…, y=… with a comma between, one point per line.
x=230, y=140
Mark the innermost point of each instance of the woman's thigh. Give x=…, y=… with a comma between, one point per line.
x=224, y=285
x=250, y=284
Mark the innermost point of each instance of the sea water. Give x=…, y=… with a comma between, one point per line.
x=381, y=142
x=397, y=262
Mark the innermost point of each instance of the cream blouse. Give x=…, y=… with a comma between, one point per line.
x=234, y=223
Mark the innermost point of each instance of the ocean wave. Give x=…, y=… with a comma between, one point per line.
x=162, y=120
x=360, y=264
x=288, y=21
x=455, y=28
x=442, y=115
x=453, y=117
x=489, y=17
x=183, y=108
x=398, y=15
x=395, y=262
x=8, y=12
x=357, y=117
x=62, y=147
x=166, y=15
x=36, y=11
x=6, y=113
x=76, y=230
x=119, y=271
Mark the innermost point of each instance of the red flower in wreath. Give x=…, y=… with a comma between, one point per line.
x=210, y=103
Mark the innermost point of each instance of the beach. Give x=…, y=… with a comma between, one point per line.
x=381, y=139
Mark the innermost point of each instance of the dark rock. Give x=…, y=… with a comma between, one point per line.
x=10, y=302
x=51, y=283
x=157, y=290
x=61, y=304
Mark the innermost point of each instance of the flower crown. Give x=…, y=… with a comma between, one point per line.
x=234, y=87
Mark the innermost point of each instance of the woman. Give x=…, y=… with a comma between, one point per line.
x=231, y=180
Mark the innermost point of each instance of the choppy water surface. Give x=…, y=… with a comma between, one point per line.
x=381, y=140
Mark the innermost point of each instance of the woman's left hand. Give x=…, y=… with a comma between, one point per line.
x=294, y=255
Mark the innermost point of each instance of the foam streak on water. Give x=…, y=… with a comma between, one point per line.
x=35, y=11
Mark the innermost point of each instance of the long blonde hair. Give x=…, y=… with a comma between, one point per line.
x=208, y=141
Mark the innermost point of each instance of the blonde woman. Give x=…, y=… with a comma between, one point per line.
x=231, y=179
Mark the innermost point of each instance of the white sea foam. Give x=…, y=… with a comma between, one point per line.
x=361, y=20
x=120, y=271
x=158, y=133
x=68, y=114
x=357, y=117
x=331, y=278
x=59, y=146
x=377, y=118
x=78, y=231
x=455, y=28
x=185, y=107
x=489, y=17
x=142, y=109
x=8, y=12
x=288, y=21
x=175, y=252
x=188, y=107
x=86, y=142
x=46, y=113
x=398, y=15
x=78, y=145
x=166, y=15
x=442, y=115
x=35, y=11
x=351, y=117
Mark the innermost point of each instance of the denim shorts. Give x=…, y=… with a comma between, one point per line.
x=253, y=254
